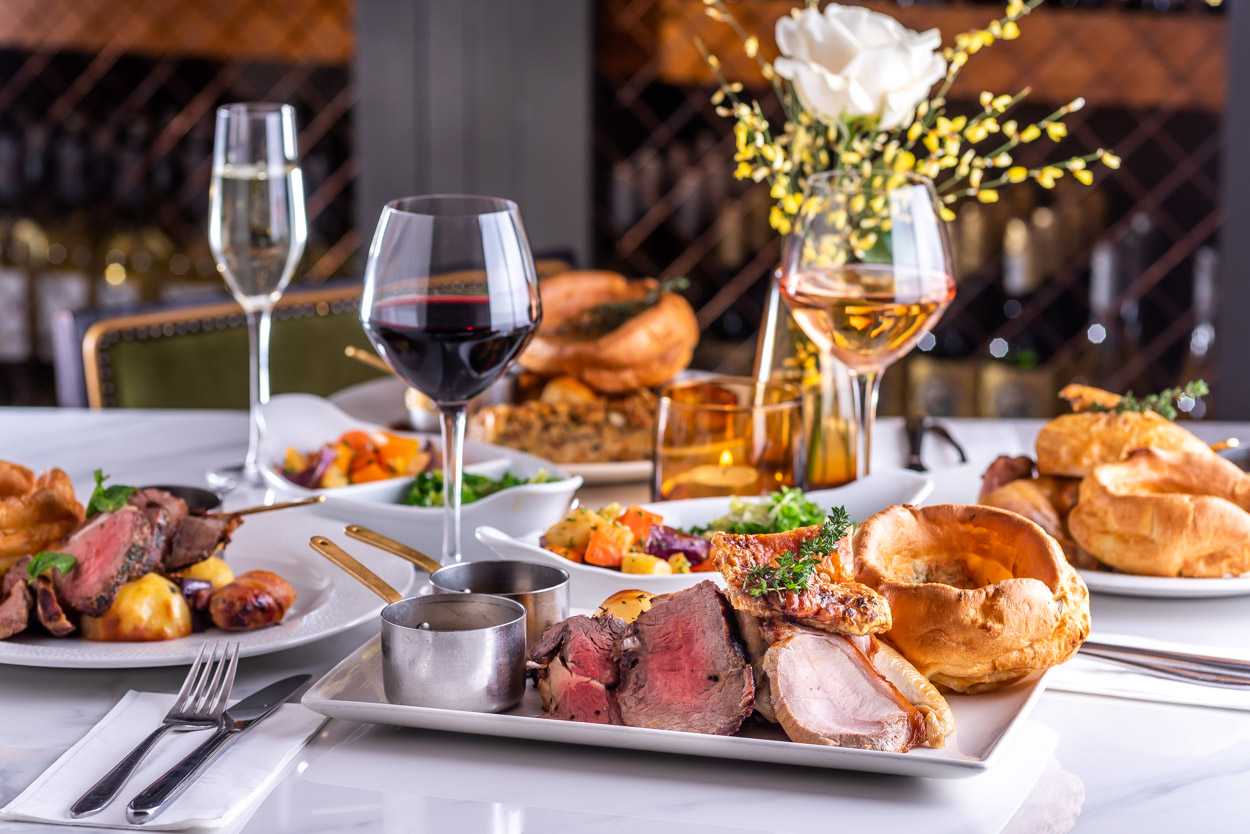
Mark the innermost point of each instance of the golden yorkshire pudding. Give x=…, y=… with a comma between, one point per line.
x=613, y=334
x=35, y=512
x=1073, y=444
x=1166, y=513
x=980, y=597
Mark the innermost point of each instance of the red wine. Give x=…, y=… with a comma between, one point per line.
x=449, y=347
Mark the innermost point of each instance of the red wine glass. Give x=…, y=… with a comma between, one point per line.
x=450, y=300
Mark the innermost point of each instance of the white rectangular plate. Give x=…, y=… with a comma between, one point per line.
x=984, y=725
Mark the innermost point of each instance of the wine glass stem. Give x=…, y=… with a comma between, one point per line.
x=867, y=384
x=453, y=463
x=258, y=322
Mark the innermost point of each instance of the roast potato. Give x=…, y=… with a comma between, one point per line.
x=625, y=605
x=213, y=570
x=145, y=609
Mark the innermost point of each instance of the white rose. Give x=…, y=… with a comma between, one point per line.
x=852, y=61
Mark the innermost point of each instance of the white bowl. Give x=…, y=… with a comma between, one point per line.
x=590, y=584
x=306, y=422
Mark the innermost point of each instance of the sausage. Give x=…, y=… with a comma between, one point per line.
x=255, y=599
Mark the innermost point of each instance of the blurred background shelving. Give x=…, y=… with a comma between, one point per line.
x=106, y=132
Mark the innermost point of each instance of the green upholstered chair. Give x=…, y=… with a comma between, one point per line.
x=196, y=357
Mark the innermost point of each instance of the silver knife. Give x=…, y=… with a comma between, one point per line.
x=249, y=712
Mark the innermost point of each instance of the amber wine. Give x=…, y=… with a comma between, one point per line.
x=867, y=315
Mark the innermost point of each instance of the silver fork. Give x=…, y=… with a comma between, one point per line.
x=199, y=706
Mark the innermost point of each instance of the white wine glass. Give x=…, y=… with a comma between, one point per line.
x=866, y=273
x=257, y=229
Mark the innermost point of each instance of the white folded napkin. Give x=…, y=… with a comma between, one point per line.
x=235, y=782
x=1097, y=677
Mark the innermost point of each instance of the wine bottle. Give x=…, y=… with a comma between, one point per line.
x=1200, y=355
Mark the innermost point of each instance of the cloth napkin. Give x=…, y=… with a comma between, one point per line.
x=237, y=781
x=1097, y=677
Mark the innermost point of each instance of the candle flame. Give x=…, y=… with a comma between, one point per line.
x=726, y=458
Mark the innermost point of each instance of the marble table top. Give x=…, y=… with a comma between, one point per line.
x=1083, y=763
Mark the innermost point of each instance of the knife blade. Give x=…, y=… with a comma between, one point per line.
x=247, y=713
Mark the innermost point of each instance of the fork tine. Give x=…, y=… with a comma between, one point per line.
x=188, y=683
x=210, y=679
x=218, y=704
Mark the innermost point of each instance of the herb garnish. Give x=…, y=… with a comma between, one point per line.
x=1162, y=403
x=793, y=571
x=107, y=499
x=426, y=490
x=46, y=560
x=602, y=319
x=782, y=511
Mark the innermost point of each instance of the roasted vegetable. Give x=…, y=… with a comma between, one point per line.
x=357, y=457
x=608, y=545
x=213, y=570
x=625, y=605
x=643, y=563
x=573, y=531
x=145, y=609
x=668, y=541
x=640, y=522
x=198, y=593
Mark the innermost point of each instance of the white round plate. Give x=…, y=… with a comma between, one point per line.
x=381, y=401
x=1165, y=587
x=591, y=584
x=328, y=601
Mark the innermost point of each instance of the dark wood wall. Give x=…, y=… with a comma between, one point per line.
x=478, y=96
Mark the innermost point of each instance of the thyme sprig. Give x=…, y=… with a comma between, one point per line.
x=1163, y=403
x=793, y=571
x=602, y=319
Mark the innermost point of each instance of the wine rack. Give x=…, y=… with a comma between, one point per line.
x=1154, y=75
x=106, y=132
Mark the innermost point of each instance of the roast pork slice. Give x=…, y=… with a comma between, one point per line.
x=198, y=538
x=826, y=691
x=682, y=667
x=831, y=602
x=756, y=642
x=576, y=669
x=113, y=548
x=15, y=600
x=165, y=513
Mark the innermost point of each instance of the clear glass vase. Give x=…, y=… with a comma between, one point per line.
x=829, y=420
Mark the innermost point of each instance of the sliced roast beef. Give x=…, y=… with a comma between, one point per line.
x=165, y=513
x=15, y=600
x=825, y=690
x=577, y=669
x=113, y=548
x=682, y=668
x=48, y=608
x=198, y=537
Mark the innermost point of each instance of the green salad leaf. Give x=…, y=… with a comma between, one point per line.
x=426, y=490
x=786, y=509
x=46, y=560
x=793, y=571
x=107, y=499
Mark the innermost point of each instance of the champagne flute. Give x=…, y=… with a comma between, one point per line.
x=256, y=230
x=866, y=274
x=450, y=300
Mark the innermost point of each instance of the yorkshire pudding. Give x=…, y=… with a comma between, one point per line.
x=980, y=597
x=1166, y=513
x=35, y=512
x=611, y=333
x=1073, y=444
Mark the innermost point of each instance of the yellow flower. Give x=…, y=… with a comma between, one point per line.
x=931, y=142
x=1056, y=131
x=987, y=99
x=1109, y=159
x=1030, y=133
x=1009, y=128
x=905, y=161
x=778, y=220
x=752, y=46
x=1011, y=30
x=1084, y=176
x=1017, y=174
x=946, y=214
x=987, y=196
x=976, y=133
x=743, y=171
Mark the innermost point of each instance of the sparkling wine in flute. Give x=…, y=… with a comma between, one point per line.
x=257, y=229
x=867, y=315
